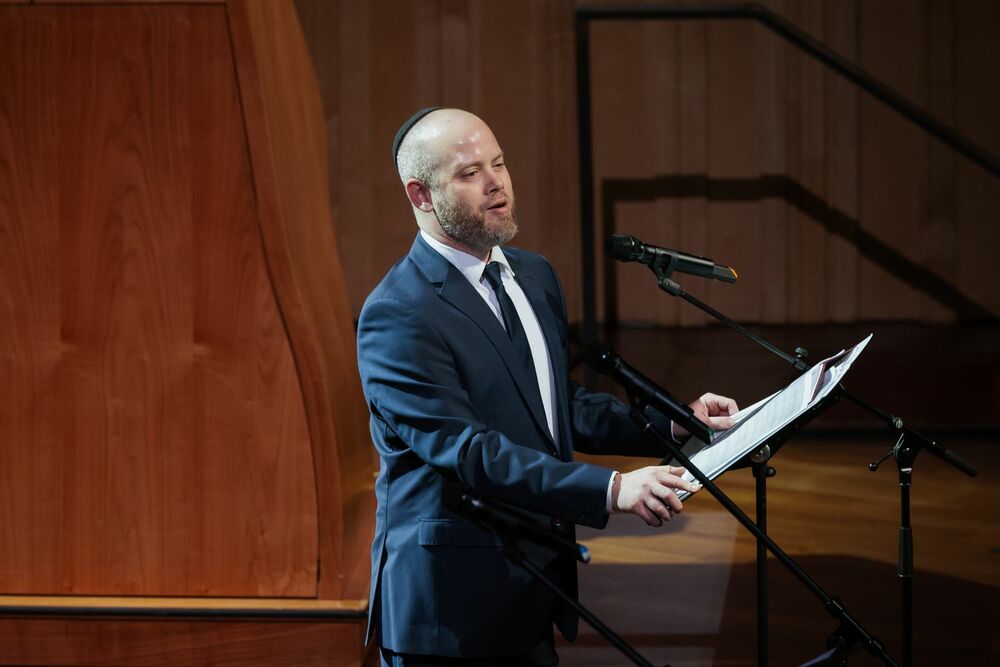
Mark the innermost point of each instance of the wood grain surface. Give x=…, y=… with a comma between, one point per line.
x=729, y=103
x=178, y=643
x=154, y=426
x=685, y=593
x=283, y=114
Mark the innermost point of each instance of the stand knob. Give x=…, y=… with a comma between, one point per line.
x=875, y=464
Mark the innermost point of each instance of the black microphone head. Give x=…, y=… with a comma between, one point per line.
x=623, y=247
x=600, y=357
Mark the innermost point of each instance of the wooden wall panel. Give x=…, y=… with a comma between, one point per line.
x=772, y=275
x=843, y=142
x=154, y=430
x=894, y=155
x=179, y=408
x=805, y=96
x=553, y=149
x=977, y=234
x=30, y=350
x=123, y=2
x=283, y=113
x=692, y=84
x=859, y=211
x=732, y=126
x=181, y=642
x=636, y=139
x=939, y=243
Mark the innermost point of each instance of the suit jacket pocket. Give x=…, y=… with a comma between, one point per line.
x=455, y=533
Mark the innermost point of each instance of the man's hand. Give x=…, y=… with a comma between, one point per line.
x=714, y=410
x=648, y=493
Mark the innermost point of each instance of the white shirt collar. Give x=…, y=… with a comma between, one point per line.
x=469, y=265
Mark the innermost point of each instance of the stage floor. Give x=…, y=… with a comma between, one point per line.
x=684, y=594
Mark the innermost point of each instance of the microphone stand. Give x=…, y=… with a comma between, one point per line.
x=849, y=631
x=512, y=527
x=908, y=445
x=761, y=471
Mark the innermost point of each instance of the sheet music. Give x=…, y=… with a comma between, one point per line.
x=754, y=425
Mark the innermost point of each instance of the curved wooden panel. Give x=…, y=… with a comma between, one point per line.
x=154, y=433
x=287, y=137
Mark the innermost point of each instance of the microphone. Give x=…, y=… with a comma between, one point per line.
x=604, y=360
x=626, y=248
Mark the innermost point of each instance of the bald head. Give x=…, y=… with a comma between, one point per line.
x=432, y=139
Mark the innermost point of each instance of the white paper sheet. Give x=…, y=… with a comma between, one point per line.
x=754, y=425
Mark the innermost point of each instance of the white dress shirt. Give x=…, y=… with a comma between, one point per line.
x=472, y=268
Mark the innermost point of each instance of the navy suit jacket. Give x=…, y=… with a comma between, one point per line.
x=451, y=402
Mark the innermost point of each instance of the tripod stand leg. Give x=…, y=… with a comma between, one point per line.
x=761, y=471
x=906, y=568
x=905, y=455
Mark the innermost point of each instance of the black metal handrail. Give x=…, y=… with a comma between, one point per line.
x=785, y=29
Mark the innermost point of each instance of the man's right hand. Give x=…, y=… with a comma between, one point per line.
x=649, y=493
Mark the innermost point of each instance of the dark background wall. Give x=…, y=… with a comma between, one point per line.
x=830, y=206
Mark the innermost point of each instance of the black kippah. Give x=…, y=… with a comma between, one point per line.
x=405, y=128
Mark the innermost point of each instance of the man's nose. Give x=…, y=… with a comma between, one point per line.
x=493, y=182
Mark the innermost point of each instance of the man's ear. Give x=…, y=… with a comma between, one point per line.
x=419, y=195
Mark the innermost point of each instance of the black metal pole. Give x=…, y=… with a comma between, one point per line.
x=853, y=631
x=511, y=526
x=904, y=460
x=674, y=289
x=517, y=556
x=798, y=362
x=760, y=473
x=905, y=451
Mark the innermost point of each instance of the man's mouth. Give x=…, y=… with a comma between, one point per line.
x=497, y=205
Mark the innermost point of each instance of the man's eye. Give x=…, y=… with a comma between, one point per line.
x=499, y=165
x=470, y=174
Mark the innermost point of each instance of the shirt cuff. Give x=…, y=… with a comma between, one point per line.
x=611, y=483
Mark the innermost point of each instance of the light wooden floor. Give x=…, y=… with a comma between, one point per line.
x=685, y=594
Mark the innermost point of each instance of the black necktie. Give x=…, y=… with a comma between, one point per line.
x=510, y=319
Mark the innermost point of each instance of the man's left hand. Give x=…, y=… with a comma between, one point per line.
x=714, y=410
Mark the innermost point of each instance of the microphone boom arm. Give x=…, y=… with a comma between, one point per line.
x=674, y=289
x=798, y=362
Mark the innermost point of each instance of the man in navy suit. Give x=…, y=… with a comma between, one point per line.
x=462, y=350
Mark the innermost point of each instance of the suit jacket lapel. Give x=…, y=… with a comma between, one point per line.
x=456, y=290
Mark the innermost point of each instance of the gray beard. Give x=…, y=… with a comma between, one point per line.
x=469, y=227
